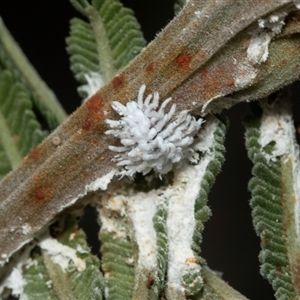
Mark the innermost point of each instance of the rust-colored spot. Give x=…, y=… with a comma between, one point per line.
x=294, y=199
x=94, y=103
x=230, y=82
x=95, y=143
x=183, y=61
x=36, y=178
x=39, y=194
x=150, y=67
x=150, y=281
x=34, y=154
x=118, y=81
x=95, y=114
x=194, y=86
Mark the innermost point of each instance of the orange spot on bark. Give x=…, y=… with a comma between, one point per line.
x=230, y=82
x=37, y=178
x=294, y=199
x=34, y=154
x=39, y=194
x=183, y=61
x=94, y=103
x=118, y=81
x=150, y=67
x=95, y=114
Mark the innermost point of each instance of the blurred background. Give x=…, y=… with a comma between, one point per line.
x=230, y=244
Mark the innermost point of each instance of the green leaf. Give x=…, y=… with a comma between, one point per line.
x=72, y=273
x=160, y=226
x=110, y=40
x=38, y=282
x=116, y=248
x=13, y=59
x=20, y=131
x=117, y=265
x=274, y=195
x=215, y=154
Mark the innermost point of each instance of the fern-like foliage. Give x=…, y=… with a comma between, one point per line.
x=110, y=40
x=117, y=260
x=38, y=282
x=55, y=275
x=202, y=211
x=160, y=226
x=13, y=59
x=20, y=131
x=117, y=264
x=272, y=196
x=82, y=49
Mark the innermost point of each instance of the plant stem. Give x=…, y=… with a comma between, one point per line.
x=44, y=95
x=106, y=61
x=220, y=287
x=8, y=144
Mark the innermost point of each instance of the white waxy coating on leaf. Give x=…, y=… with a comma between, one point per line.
x=277, y=126
x=62, y=255
x=94, y=83
x=15, y=280
x=112, y=214
x=141, y=209
x=151, y=138
x=245, y=76
x=181, y=220
x=258, y=49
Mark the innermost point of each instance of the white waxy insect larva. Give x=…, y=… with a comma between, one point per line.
x=151, y=138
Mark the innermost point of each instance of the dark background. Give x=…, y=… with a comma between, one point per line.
x=230, y=243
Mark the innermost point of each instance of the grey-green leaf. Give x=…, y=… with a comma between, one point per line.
x=105, y=44
x=274, y=195
x=80, y=280
x=13, y=59
x=38, y=282
x=20, y=131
